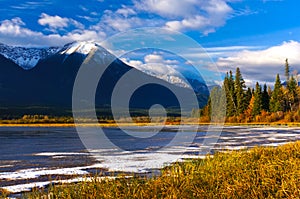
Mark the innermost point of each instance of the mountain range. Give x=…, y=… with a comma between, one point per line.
x=40, y=81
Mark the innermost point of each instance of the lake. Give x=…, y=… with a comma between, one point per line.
x=36, y=156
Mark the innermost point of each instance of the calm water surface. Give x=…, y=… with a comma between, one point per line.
x=32, y=154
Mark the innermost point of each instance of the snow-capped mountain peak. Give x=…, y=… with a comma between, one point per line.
x=26, y=58
x=83, y=47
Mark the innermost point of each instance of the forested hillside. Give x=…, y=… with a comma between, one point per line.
x=279, y=103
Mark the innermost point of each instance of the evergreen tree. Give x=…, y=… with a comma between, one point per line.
x=293, y=95
x=265, y=99
x=270, y=91
x=228, y=86
x=231, y=86
x=287, y=71
x=257, y=104
x=248, y=96
x=277, y=95
x=290, y=93
x=239, y=86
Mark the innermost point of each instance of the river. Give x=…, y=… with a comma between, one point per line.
x=36, y=156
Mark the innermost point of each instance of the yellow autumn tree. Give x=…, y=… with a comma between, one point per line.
x=249, y=110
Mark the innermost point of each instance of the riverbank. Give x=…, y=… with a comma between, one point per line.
x=262, y=172
x=127, y=124
x=45, y=121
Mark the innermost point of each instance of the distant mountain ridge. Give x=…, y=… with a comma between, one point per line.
x=31, y=77
x=26, y=58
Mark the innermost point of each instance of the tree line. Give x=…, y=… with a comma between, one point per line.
x=258, y=104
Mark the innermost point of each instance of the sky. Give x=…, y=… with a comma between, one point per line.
x=255, y=35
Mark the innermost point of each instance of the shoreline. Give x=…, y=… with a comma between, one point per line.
x=275, y=124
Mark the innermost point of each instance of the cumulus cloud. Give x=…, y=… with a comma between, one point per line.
x=168, y=8
x=133, y=63
x=126, y=11
x=164, y=66
x=263, y=65
x=53, y=21
x=56, y=21
x=14, y=32
x=119, y=23
x=153, y=58
x=181, y=15
x=86, y=35
x=124, y=19
x=184, y=15
x=155, y=64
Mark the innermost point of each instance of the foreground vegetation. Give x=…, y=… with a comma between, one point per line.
x=262, y=172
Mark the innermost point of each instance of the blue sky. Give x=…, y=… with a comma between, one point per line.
x=255, y=35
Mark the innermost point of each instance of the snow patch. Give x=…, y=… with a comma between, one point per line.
x=26, y=58
x=80, y=47
x=29, y=186
x=59, y=154
x=37, y=172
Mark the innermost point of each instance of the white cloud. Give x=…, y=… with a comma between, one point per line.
x=126, y=11
x=196, y=22
x=153, y=58
x=12, y=26
x=122, y=20
x=181, y=15
x=231, y=48
x=133, y=63
x=14, y=32
x=155, y=63
x=88, y=18
x=32, y=5
x=86, y=35
x=263, y=65
x=117, y=22
x=271, y=56
x=53, y=21
x=212, y=53
x=120, y=24
x=56, y=21
x=168, y=8
x=171, y=62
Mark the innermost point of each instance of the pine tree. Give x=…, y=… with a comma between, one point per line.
x=228, y=86
x=248, y=96
x=293, y=96
x=270, y=91
x=265, y=99
x=287, y=71
x=290, y=96
x=257, y=105
x=277, y=95
x=239, y=86
x=231, y=85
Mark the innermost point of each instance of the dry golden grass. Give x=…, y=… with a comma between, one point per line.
x=262, y=172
